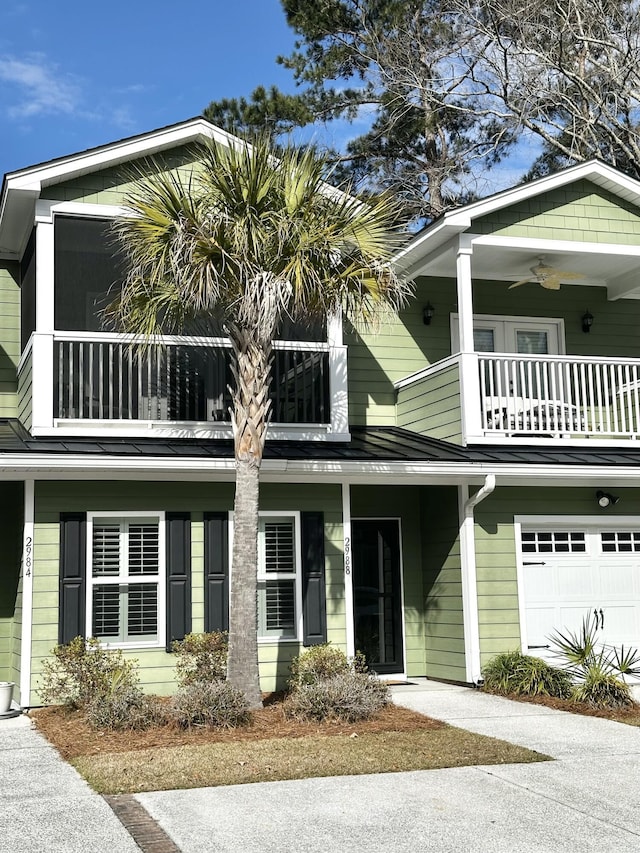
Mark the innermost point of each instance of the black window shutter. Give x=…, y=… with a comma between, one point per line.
x=178, y=533
x=314, y=605
x=73, y=574
x=216, y=571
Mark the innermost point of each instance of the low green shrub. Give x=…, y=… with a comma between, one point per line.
x=126, y=708
x=201, y=658
x=348, y=696
x=82, y=672
x=214, y=704
x=316, y=664
x=522, y=675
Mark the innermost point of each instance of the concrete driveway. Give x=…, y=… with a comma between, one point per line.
x=586, y=800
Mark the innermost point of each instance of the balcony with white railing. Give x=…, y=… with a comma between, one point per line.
x=105, y=384
x=559, y=396
x=493, y=397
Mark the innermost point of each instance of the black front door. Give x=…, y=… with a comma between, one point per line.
x=377, y=603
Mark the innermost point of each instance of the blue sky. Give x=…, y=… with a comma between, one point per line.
x=76, y=73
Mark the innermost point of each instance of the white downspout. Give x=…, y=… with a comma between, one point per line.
x=469, y=575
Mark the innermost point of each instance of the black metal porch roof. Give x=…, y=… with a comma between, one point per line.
x=368, y=444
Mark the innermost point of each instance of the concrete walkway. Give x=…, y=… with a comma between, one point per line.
x=45, y=807
x=587, y=800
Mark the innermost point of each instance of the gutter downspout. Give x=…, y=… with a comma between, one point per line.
x=467, y=506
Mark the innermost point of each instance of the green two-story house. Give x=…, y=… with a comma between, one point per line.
x=458, y=484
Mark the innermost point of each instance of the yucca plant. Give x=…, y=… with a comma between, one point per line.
x=598, y=672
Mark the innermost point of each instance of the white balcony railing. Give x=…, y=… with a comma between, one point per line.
x=106, y=379
x=562, y=396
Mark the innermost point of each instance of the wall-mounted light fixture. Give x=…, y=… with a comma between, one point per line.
x=606, y=499
x=427, y=314
x=587, y=321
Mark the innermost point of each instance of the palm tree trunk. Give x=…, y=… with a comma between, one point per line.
x=250, y=418
x=242, y=664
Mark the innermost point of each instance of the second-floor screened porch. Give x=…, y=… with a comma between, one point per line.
x=75, y=377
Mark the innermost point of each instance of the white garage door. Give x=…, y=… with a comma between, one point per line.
x=568, y=572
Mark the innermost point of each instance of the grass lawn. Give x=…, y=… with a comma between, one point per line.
x=270, y=748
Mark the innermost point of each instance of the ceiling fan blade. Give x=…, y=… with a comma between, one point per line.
x=564, y=275
x=518, y=283
x=552, y=282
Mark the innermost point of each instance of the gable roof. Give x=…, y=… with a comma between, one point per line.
x=21, y=189
x=461, y=219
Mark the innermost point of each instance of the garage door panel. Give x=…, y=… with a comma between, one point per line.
x=559, y=589
x=617, y=581
x=620, y=624
x=575, y=582
x=538, y=621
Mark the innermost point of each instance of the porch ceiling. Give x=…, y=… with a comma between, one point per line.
x=508, y=259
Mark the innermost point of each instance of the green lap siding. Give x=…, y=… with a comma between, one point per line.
x=444, y=629
x=11, y=504
x=9, y=336
x=156, y=666
x=399, y=347
x=431, y=406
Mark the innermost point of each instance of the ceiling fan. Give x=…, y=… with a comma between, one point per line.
x=547, y=276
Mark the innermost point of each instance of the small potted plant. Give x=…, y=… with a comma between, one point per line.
x=6, y=694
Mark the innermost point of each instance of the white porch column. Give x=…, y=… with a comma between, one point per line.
x=465, y=293
x=42, y=378
x=27, y=594
x=338, y=390
x=466, y=508
x=42, y=353
x=469, y=379
x=44, y=269
x=348, y=570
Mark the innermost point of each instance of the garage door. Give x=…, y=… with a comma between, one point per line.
x=568, y=572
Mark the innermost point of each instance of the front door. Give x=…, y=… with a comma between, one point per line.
x=377, y=601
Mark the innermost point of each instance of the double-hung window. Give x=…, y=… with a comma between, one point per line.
x=279, y=588
x=125, y=593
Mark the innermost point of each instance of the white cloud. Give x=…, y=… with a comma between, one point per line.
x=38, y=87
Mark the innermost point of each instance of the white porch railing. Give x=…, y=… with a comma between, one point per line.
x=185, y=380
x=563, y=396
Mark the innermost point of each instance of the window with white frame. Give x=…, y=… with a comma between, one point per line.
x=125, y=593
x=279, y=592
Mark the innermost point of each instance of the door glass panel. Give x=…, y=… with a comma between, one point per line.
x=484, y=340
x=377, y=605
x=532, y=342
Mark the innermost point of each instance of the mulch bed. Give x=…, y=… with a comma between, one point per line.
x=71, y=734
x=630, y=716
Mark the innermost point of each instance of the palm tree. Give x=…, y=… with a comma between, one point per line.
x=247, y=240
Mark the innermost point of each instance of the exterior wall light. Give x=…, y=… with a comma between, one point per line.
x=427, y=314
x=606, y=499
x=587, y=321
